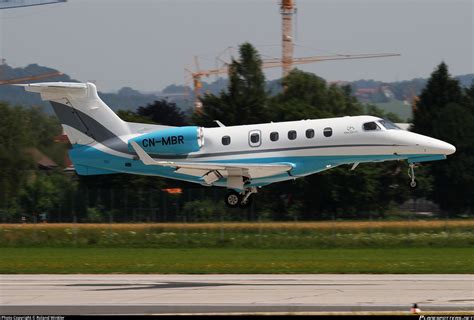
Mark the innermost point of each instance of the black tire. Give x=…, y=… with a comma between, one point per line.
x=232, y=199
x=413, y=184
x=247, y=203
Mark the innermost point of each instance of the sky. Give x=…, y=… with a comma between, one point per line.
x=147, y=45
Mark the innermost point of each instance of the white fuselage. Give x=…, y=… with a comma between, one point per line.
x=236, y=157
x=348, y=138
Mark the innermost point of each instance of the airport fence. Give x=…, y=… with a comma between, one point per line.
x=185, y=205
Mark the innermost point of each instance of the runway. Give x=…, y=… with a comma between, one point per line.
x=165, y=294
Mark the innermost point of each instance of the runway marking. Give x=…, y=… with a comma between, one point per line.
x=177, y=285
x=150, y=294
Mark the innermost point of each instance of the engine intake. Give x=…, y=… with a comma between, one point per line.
x=181, y=140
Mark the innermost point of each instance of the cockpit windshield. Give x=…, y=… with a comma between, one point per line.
x=371, y=126
x=389, y=125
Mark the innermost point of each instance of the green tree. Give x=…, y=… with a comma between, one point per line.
x=245, y=98
x=440, y=91
x=15, y=165
x=159, y=112
x=42, y=194
x=163, y=112
x=445, y=112
x=307, y=96
x=131, y=116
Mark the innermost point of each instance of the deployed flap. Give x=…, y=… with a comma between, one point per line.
x=224, y=169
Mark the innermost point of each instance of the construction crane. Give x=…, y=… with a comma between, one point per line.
x=273, y=63
x=287, y=9
x=287, y=61
x=14, y=4
x=31, y=78
x=9, y=4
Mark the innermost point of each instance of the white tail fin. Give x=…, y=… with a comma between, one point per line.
x=84, y=116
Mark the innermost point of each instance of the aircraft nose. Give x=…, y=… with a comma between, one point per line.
x=442, y=147
x=426, y=145
x=449, y=148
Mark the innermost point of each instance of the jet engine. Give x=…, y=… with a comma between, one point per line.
x=179, y=140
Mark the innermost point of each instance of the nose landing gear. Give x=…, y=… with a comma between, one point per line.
x=234, y=199
x=411, y=174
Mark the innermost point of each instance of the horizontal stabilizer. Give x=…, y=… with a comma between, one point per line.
x=52, y=86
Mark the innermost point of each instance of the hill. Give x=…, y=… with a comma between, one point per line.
x=125, y=99
x=393, y=97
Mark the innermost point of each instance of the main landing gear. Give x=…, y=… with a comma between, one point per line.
x=411, y=174
x=234, y=199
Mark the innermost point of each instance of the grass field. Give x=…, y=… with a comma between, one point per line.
x=314, y=247
x=202, y=261
x=398, y=107
x=308, y=235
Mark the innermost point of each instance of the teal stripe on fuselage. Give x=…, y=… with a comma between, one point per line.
x=86, y=156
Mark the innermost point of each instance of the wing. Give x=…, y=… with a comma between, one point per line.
x=210, y=172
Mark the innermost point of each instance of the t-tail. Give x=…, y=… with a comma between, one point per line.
x=89, y=122
x=84, y=116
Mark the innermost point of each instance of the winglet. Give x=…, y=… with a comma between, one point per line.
x=144, y=157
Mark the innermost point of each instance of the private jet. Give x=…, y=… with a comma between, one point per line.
x=240, y=158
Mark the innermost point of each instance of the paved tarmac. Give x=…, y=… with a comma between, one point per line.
x=158, y=294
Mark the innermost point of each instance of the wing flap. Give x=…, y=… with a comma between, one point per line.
x=218, y=169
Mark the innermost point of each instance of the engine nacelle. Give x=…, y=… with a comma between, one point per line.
x=179, y=140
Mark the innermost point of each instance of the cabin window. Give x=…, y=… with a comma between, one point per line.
x=274, y=136
x=371, y=126
x=389, y=125
x=254, y=138
x=310, y=133
x=225, y=140
x=292, y=135
x=327, y=132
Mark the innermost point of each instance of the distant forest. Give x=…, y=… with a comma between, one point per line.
x=395, y=99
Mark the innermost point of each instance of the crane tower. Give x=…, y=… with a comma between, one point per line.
x=287, y=61
x=287, y=9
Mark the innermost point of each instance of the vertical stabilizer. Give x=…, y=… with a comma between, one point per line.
x=83, y=115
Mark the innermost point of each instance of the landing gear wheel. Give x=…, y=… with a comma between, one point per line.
x=245, y=203
x=232, y=199
x=413, y=184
